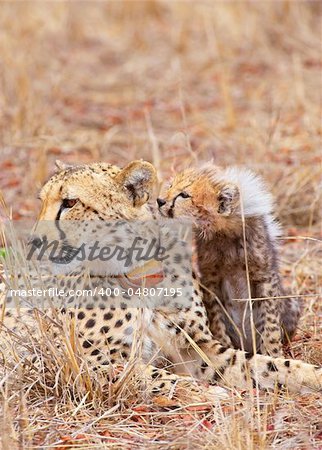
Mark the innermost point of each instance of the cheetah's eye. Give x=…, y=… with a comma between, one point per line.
x=184, y=194
x=69, y=202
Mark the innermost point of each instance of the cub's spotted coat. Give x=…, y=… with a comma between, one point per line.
x=102, y=192
x=216, y=200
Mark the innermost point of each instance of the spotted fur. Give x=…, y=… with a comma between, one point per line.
x=179, y=336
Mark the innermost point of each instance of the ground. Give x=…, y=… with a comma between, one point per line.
x=176, y=84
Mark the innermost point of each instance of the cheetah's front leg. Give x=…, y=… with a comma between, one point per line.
x=203, y=357
x=158, y=381
x=236, y=368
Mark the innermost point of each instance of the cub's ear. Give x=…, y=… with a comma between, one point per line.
x=60, y=165
x=228, y=199
x=138, y=179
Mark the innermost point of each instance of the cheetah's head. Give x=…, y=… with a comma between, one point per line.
x=79, y=201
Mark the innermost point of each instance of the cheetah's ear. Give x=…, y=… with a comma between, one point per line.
x=228, y=199
x=138, y=179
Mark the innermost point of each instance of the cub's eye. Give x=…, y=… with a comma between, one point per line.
x=184, y=194
x=69, y=202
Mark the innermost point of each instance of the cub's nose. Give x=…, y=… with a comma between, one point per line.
x=161, y=202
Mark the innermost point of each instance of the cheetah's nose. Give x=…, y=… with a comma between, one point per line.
x=161, y=202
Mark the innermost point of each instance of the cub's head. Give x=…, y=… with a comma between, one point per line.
x=203, y=197
x=92, y=202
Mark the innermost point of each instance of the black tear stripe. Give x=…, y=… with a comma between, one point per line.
x=62, y=234
x=172, y=206
x=59, y=213
x=174, y=200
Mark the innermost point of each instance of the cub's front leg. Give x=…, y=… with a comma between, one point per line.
x=270, y=308
x=215, y=314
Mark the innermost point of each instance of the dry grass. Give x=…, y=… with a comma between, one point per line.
x=175, y=83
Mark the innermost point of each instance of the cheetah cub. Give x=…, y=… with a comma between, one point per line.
x=216, y=200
